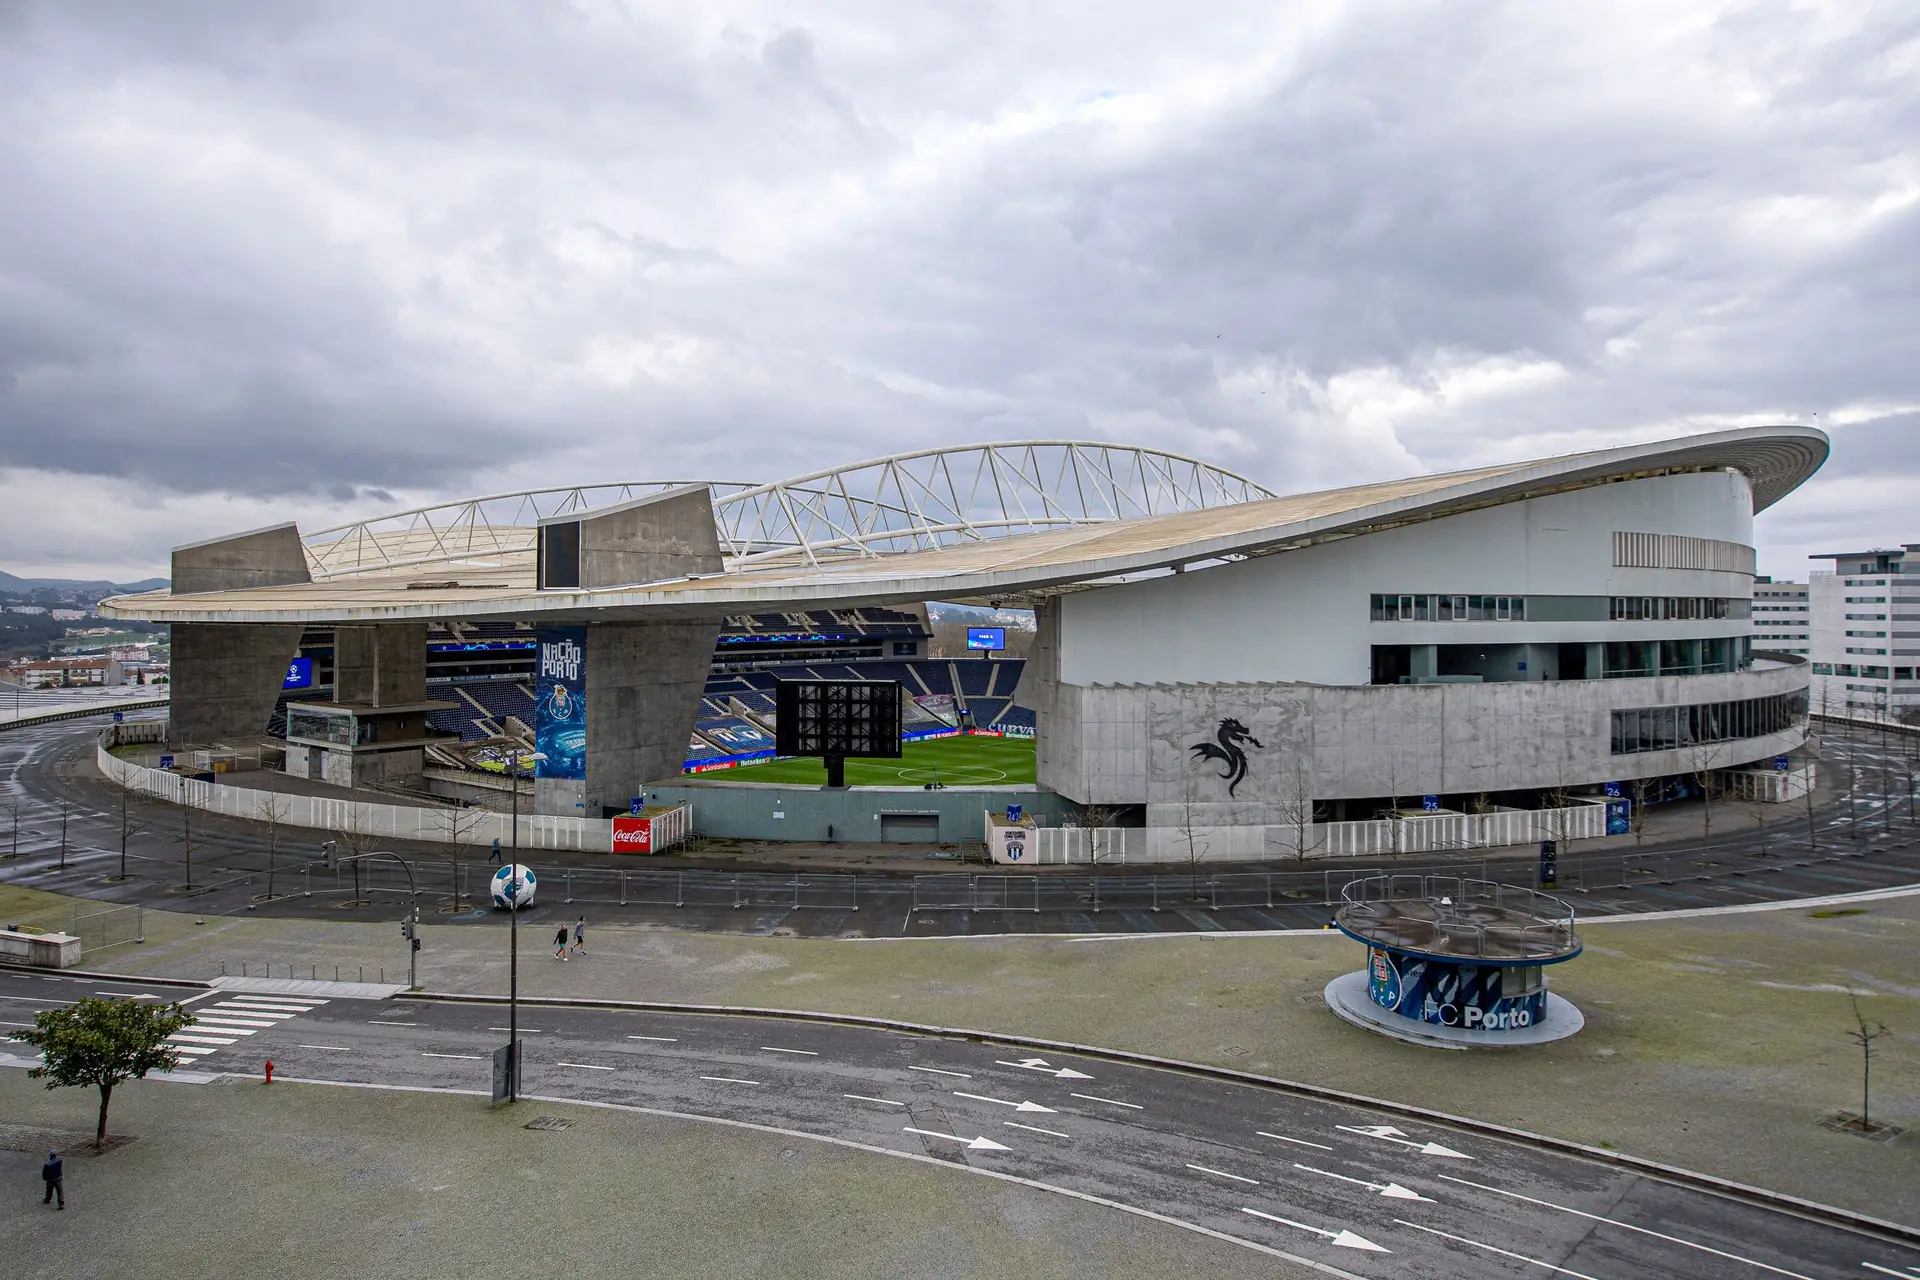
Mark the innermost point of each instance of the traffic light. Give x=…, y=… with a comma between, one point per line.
x=406, y=929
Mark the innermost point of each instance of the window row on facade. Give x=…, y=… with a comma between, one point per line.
x=1863, y=671
x=1702, y=724
x=1425, y=608
x=1670, y=608
x=1679, y=551
x=1629, y=658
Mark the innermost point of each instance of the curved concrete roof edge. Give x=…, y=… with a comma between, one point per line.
x=1776, y=459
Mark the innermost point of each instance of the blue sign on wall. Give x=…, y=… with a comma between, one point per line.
x=986, y=638
x=1614, y=791
x=1430, y=804
x=560, y=703
x=299, y=674
x=1782, y=763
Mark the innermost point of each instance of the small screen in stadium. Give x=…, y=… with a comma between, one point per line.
x=986, y=637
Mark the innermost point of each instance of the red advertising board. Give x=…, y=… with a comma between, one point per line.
x=632, y=835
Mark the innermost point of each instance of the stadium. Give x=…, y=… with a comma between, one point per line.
x=1218, y=671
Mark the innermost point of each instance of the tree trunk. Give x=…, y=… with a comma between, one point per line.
x=100, y=1132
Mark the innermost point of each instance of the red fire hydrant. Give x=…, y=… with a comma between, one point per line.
x=269, y=1072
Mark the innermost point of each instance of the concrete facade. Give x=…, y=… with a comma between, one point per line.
x=1125, y=686
x=226, y=677
x=761, y=811
x=654, y=539
x=380, y=666
x=644, y=682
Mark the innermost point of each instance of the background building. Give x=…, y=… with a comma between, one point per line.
x=1780, y=617
x=1866, y=632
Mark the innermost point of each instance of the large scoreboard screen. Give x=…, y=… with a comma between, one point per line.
x=837, y=718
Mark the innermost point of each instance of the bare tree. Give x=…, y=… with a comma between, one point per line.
x=186, y=840
x=66, y=816
x=271, y=809
x=1637, y=810
x=1296, y=806
x=1197, y=846
x=1703, y=762
x=357, y=837
x=1558, y=820
x=1864, y=1033
x=456, y=827
x=132, y=823
x=13, y=813
x=1814, y=755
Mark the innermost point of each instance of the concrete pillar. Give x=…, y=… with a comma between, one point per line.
x=1038, y=691
x=384, y=665
x=1423, y=660
x=643, y=687
x=226, y=677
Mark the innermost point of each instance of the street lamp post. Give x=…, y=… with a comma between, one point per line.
x=513, y=914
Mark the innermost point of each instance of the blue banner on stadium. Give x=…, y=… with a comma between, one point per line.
x=299, y=674
x=560, y=703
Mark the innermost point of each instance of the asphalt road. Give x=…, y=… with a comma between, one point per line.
x=1858, y=844
x=1361, y=1193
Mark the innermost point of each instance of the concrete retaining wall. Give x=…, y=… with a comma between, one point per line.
x=760, y=811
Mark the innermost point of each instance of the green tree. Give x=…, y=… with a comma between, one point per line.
x=102, y=1043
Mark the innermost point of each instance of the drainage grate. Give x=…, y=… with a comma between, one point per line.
x=548, y=1124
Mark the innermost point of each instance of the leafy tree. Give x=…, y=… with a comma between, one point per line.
x=102, y=1043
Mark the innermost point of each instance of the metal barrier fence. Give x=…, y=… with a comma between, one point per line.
x=433, y=879
x=99, y=928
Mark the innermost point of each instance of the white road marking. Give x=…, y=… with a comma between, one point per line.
x=129, y=995
x=1343, y=1237
x=263, y=1002
x=584, y=1066
x=1002, y=1102
x=768, y=1048
x=1301, y=1142
x=523, y=1030
x=1220, y=1173
x=225, y=1028
x=971, y=1144
x=189, y=1037
x=192, y=1052
x=1578, y=1275
x=337, y=1048
x=39, y=999
x=1112, y=1102
x=728, y=1080
x=215, y=1020
x=1387, y=1133
x=382, y=1022
x=885, y=1102
x=662, y=1039
x=18, y=1024
x=1051, y=1133
x=250, y=1011
x=1391, y=1190
x=470, y=1057
x=1594, y=1217
x=935, y=1071
x=1041, y=1064
x=1908, y=1274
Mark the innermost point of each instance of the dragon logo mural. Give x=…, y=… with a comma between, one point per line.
x=1227, y=750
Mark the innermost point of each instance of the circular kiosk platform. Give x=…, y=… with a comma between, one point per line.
x=1455, y=963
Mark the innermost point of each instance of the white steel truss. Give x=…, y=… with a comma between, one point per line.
x=906, y=502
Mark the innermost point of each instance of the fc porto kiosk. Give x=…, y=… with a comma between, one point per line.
x=1455, y=963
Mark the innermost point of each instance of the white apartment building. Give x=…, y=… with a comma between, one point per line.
x=1866, y=632
x=1780, y=617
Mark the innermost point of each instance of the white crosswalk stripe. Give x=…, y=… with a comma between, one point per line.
x=218, y=1026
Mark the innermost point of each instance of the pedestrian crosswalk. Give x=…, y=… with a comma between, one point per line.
x=218, y=1026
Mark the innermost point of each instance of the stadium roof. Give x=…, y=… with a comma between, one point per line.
x=1101, y=513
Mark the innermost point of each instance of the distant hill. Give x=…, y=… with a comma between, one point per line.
x=8, y=582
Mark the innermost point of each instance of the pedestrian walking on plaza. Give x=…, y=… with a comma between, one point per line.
x=52, y=1174
x=580, y=935
x=560, y=943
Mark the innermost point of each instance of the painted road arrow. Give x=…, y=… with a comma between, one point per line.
x=1391, y=1190
x=1017, y=1106
x=1344, y=1238
x=1387, y=1133
x=1040, y=1064
x=972, y=1144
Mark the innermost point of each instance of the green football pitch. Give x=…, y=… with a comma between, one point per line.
x=958, y=762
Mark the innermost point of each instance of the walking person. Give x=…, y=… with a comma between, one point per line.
x=560, y=943
x=580, y=935
x=53, y=1173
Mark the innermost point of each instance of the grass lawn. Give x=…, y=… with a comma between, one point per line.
x=958, y=762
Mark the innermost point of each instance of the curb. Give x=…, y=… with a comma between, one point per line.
x=97, y=976
x=1830, y=1214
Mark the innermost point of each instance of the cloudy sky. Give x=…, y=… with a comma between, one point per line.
x=318, y=260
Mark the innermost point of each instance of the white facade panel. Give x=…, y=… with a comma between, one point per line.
x=1304, y=615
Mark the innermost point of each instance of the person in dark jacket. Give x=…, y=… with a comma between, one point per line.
x=560, y=943
x=52, y=1173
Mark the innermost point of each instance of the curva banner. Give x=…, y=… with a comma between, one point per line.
x=560, y=703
